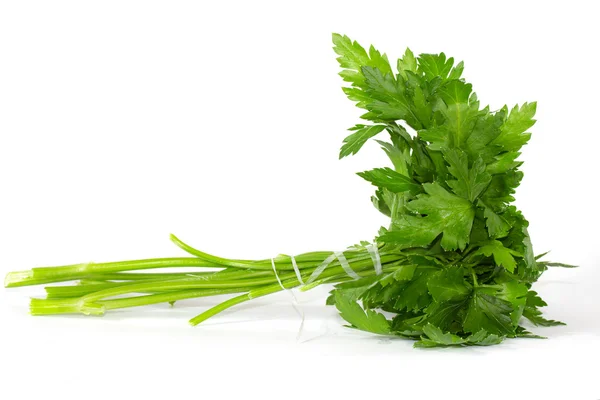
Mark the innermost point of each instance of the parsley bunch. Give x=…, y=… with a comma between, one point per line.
x=455, y=266
x=467, y=262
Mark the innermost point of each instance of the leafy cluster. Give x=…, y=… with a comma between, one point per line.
x=465, y=260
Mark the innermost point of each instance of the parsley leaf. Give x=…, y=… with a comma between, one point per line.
x=448, y=284
x=469, y=182
x=353, y=57
x=435, y=337
x=488, y=312
x=531, y=312
x=366, y=320
x=513, y=133
x=362, y=133
x=391, y=180
x=442, y=213
x=503, y=256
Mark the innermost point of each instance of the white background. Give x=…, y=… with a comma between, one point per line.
x=122, y=121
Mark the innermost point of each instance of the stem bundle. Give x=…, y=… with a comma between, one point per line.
x=100, y=283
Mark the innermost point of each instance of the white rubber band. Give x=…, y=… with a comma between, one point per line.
x=276, y=274
x=374, y=253
x=295, y=302
x=344, y=263
x=296, y=270
x=320, y=268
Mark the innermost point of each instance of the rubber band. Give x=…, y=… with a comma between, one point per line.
x=344, y=263
x=374, y=253
x=317, y=272
x=276, y=274
x=295, y=303
x=296, y=270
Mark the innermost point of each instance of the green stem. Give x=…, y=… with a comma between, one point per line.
x=241, y=299
x=41, y=275
x=167, y=297
x=62, y=292
x=474, y=275
x=283, y=262
x=78, y=305
x=135, y=276
x=180, y=284
x=26, y=278
x=124, y=276
x=64, y=306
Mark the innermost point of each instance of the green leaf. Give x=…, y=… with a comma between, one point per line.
x=407, y=63
x=403, y=273
x=521, y=332
x=515, y=293
x=380, y=203
x=435, y=65
x=352, y=57
x=534, y=300
x=400, y=158
x=413, y=294
x=488, y=312
x=358, y=95
x=503, y=256
x=435, y=337
x=438, y=137
x=379, y=61
x=555, y=264
x=497, y=226
x=396, y=202
x=446, y=314
x=535, y=316
x=457, y=71
x=353, y=290
x=531, y=312
x=366, y=320
x=486, y=129
x=390, y=101
x=513, y=133
x=518, y=238
x=445, y=213
x=391, y=180
x=504, y=163
x=470, y=182
x=482, y=338
x=528, y=255
x=455, y=91
x=458, y=124
x=448, y=284
x=362, y=133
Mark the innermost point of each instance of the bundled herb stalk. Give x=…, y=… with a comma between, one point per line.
x=454, y=267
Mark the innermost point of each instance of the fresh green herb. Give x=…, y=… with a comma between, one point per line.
x=455, y=267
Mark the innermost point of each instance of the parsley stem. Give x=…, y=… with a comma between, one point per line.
x=41, y=275
x=77, y=305
x=241, y=299
x=474, y=275
x=167, y=297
